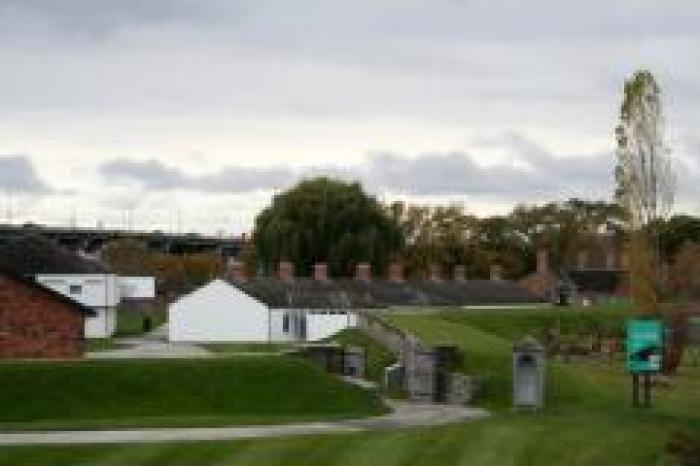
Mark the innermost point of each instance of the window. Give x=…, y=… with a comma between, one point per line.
x=302, y=327
x=285, y=323
x=75, y=289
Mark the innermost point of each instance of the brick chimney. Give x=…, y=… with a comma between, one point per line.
x=235, y=270
x=625, y=260
x=363, y=272
x=396, y=272
x=542, y=261
x=285, y=272
x=582, y=260
x=496, y=272
x=459, y=273
x=610, y=259
x=435, y=272
x=321, y=272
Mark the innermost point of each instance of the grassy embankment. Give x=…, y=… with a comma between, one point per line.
x=130, y=320
x=128, y=393
x=377, y=357
x=588, y=419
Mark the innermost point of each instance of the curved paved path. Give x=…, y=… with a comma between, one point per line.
x=403, y=415
x=151, y=345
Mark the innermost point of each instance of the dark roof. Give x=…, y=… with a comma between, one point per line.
x=602, y=281
x=308, y=293
x=30, y=282
x=33, y=255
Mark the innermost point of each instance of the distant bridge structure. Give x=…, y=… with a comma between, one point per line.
x=93, y=240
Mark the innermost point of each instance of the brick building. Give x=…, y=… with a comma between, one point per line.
x=36, y=322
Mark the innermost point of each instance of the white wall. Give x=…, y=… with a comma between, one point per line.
x=277, y=318
x=93, y=290
x=137, y=287
x=218, y=312
x=103, y=325
x=322, y=325
x=97, y=291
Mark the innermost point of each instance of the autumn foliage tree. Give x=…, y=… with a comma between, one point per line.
x=645, y=182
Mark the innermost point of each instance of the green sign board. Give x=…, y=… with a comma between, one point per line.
x=644, y=345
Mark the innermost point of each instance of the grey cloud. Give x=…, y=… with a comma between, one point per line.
x=540, y=175
x=151, y=174
x=157, y=176
x=98, y=20
x=17, y=173
x=282, y=21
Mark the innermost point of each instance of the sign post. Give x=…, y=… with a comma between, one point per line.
x=644, y=355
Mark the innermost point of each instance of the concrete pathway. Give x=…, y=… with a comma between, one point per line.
x=151, y=345
x=403, y=415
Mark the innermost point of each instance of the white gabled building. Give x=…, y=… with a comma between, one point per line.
x=98, y=291
x=218, y=312
x=84, y=280
x=286, y=308
x=222, y=312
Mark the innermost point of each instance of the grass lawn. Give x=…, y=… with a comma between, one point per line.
x=102, y=344
x=130, y=320
x=588, y=419
x=221, y=391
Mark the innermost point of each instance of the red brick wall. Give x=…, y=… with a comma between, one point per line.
x=539, y=284
x=33, y=324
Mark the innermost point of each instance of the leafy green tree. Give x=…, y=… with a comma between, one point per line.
x=326, y=220
x=676, y=232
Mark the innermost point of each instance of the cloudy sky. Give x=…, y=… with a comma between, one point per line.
x=189, y=114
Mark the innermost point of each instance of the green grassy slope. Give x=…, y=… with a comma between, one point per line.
x=377, y=356
x=130, y=320
x=506, y=440
x=173, y=392
x=588, y=421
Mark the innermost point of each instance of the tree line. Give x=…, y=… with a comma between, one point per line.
x=326, y=220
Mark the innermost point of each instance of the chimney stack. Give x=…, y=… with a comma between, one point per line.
x=610, y=259
x=459, y=273
x=286, y=271
x=321, y=272
x=625, y=260
x=542, y=261
x=496, y=272
x=235, y=270
x=396, y=272
x=363, y=272
x=435, y=272
x=582, y=260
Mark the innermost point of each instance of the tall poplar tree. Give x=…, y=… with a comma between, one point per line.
x=645, y=182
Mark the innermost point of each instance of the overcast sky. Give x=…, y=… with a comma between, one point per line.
x=190, y=113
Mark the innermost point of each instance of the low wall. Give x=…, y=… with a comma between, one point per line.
x=422, y=369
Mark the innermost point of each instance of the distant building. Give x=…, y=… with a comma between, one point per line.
x=287, y=308
x=36, y=322
x=85, y=281
x=137, y=288
x=585, y=282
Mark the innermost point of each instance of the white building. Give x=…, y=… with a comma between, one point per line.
x=223, y=312
x=98, y=291
x=137, y=288
x=82, y=279
x=266, y=309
